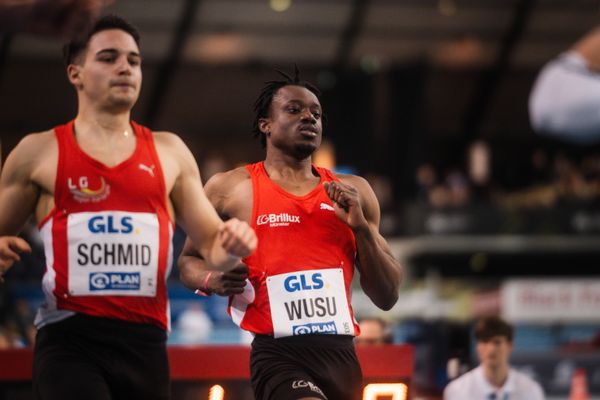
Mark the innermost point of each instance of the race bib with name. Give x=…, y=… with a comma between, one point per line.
x=306, y=302
x=113, y=253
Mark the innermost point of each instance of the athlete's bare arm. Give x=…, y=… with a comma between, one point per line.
x=356, y=205
x=222, y=244
x=231, y=195
x=26, y=186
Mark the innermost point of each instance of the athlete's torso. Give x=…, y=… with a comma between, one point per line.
x=107, y=240
x=300, y=274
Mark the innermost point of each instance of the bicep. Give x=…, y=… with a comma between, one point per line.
x=369, y=202
x=18, y=193
x=193, y=210
x=371, y=210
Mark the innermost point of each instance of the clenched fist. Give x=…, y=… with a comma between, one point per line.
x=10, y=247
x=227, y=283
x=347, y=203
x=237, y=238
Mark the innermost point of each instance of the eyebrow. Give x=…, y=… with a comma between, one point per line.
x=300, y=102
x=115, y=51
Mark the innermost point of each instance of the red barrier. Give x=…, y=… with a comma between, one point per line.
x=231, y=362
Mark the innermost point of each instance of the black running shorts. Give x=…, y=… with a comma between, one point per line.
x=320, y=366
x=84, y=357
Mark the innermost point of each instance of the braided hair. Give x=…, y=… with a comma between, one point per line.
x=262, y=105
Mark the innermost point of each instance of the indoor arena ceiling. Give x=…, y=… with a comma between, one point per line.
x=342, y=33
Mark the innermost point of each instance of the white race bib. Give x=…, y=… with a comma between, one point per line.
x=311, y=301
x=113, y=253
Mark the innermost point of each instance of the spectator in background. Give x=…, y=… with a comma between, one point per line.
x=480, y=154
x=194, y=324
x=50, y=17
x=4, y=341
x=373, y=331
x=426, y=179
x=565, y=98
x=493, y=379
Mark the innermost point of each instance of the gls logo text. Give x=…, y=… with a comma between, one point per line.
x=294, y=283
x=108, y=224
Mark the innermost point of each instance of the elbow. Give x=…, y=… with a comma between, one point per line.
x=385, y=299
x=388, y=301
x=185, y=274
x=390, y=298
x=185, y=280
x=182, y=266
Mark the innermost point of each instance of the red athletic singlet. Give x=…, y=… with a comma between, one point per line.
x=300, y=274
x=108, y=239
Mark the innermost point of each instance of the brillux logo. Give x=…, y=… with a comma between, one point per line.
x=282, y=219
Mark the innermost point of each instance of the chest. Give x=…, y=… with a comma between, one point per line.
x=110, y=153
x=85, y=181
x=297, y=188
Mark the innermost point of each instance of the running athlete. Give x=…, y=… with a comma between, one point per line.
x=314, y=228
x=106, y=193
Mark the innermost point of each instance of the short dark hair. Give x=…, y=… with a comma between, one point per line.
x=386, y=332
x=488, y=327
x=262, y=105
x=77, y=45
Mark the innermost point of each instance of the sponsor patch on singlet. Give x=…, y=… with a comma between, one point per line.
x=311, y=301
x=113, y=253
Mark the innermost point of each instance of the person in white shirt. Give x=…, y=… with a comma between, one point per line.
x=493, y=379
x=565, y=100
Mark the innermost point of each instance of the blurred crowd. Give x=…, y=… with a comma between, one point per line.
x=551, y=179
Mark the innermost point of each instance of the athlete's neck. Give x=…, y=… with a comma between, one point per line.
x=287, y=168
x=103, y=126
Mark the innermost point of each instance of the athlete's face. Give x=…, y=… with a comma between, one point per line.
x=294, y=125
x=371, y=333
x=495, y=352
x=109, y=72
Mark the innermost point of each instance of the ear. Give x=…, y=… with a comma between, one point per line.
x=264, y=124
x=74, y=75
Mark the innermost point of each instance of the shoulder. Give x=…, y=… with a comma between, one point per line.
x=457, y=388
x=360, y=183
x=35, y=152
x=526, y=383
x=228, y=180
x=464, y=381
x=230, y=193
x=34, y=144
x=365, y=191
x=39, y=138
x=168, y=139
x=172, y=150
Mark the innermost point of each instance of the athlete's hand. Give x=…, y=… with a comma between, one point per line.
x=237, y=238
x=347, y=205
x=10, y=247
x=227, y=283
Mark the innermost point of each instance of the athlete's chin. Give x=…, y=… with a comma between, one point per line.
x=304, y=150
x=122, y=103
